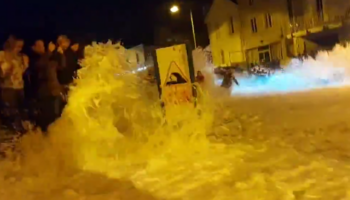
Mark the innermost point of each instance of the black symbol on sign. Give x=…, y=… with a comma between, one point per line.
x=175, y=75
x=175, y=78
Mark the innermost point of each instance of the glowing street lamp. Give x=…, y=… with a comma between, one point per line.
x=175, y=9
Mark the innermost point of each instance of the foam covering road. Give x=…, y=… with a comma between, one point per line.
x=114, y=144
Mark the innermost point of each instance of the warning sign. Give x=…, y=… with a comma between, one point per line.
x=174, y=74
x=172, y=60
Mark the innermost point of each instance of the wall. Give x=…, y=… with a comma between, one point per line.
x=226, y=46
x=136, y=56
x=336, y=8
x=247, y=41
x=310, y=46
x=296, y=46
x=344, y=35
x=303, y=43
x=148, y=52
x=265, y=35
x=307, y=15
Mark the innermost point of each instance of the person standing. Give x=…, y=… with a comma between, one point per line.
x=199, y=77
x=65, y=60
x=13, y=64
x=36, y=54
x=77, y=54
x=49, y=91
x=228, y=80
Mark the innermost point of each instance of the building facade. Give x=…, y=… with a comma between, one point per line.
x=264, y=26
x=270, y=30
x=224, y=28
x=136, y=56
x=140, y=57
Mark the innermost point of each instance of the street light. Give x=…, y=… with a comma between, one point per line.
x=175, y=9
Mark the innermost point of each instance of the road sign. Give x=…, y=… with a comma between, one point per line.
x=174, y=75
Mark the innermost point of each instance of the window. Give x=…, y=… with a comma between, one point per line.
x=253, y=24
x=319, y=7
x=251, y=2
x=268, y=21
x=222, y=57
x=264, y=57
x=264, y=54
x=137, y=58
x=232, y=26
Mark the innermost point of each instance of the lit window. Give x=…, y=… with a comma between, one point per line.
x=232, y=26
x=254, y=26
x=268, y=21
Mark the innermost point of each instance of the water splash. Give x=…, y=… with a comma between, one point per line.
x=110, y=127
x=110, y=130
x=328, y=69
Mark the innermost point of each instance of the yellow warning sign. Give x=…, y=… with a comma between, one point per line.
x=172, y=63
x=174, y=74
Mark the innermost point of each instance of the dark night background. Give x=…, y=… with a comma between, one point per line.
x=133, y=21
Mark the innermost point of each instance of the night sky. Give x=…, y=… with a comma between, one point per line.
x=133, y=21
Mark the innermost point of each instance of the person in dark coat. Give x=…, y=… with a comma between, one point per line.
x=65, y=58
x=77, y=54
x=36, y=62
x=49, y=90
x=199, y=77
x=229, y=78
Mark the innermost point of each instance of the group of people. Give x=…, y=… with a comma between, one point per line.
x=33, y=85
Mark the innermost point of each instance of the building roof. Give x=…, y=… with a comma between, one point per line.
x=211, y=7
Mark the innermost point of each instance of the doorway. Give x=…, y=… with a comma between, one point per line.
x=264, y=54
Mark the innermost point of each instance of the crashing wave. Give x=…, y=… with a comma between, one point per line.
x=328, y=69
x=113, y=124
